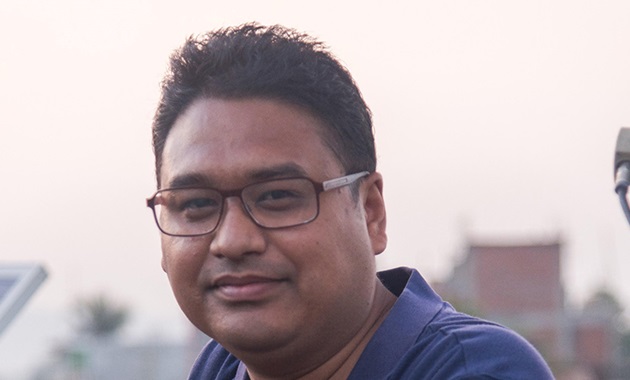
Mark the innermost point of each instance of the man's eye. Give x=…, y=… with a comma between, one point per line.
x=277, y=195
x=197, y=209
x=197, y=203
x=279, y=200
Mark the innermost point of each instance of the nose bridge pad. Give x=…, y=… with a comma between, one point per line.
x=248, y=211
x=242, y=206
x=236, y=238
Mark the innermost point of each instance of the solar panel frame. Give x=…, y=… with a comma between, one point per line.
x=18, y=282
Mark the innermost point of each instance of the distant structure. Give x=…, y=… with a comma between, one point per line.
x=18, y=282
x=105, y=359
x=520, y=286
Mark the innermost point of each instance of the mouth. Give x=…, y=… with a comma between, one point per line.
x=249, y=288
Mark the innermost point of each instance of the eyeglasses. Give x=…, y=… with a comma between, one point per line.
x=277, y=203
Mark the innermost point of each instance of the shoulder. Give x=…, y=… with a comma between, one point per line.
x=423, y=337
x=458, y=346
x=214, y=362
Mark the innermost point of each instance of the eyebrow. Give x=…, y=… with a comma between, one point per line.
x=287, y=170
x=188, y=180
x=278, y=171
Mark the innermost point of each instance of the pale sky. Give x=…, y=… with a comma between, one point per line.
x=493, y=119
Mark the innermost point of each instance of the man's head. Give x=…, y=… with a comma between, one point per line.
x=250, y=108
x=272, y=63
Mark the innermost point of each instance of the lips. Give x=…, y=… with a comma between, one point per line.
x=245, y=288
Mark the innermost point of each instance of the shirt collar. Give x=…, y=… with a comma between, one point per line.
x=416, y=306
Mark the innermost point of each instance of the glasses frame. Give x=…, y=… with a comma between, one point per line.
x=320, y=187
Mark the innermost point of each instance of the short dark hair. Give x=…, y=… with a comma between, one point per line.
x=273, y=62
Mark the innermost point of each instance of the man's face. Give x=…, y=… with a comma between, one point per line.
x=298, y=291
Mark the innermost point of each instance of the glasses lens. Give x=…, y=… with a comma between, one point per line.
x=281, y=203
x=188, y=211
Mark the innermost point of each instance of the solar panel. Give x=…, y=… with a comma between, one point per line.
x=18, y=282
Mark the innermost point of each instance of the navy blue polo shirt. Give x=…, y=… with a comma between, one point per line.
x=422, y=337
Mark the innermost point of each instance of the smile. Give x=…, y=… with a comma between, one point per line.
x=246, y=288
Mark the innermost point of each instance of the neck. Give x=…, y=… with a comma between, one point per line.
x=384, y=300
x=339, y=366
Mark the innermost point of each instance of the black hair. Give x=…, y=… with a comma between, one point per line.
x=273, y=62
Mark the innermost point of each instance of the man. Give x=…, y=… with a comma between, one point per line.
x=272, y=213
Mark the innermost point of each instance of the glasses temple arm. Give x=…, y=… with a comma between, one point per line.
x=342, y=181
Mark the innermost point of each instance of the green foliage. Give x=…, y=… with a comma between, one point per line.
x=100, y=316
x=603, y=301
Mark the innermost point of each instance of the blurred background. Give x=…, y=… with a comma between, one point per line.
x=495, y=124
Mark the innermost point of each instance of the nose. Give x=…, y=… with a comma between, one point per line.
x=236, y=235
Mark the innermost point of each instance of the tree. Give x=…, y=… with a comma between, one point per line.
x=100, y=316
x=604, y=304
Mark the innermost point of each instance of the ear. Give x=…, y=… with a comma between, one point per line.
x=374, y=208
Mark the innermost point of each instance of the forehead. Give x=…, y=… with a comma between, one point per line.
x=219, y=140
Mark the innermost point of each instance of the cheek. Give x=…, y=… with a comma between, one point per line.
x=182, y=259
x=339, y=251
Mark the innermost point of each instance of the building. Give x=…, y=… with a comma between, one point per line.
x=96, y=359
x=520, y=286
